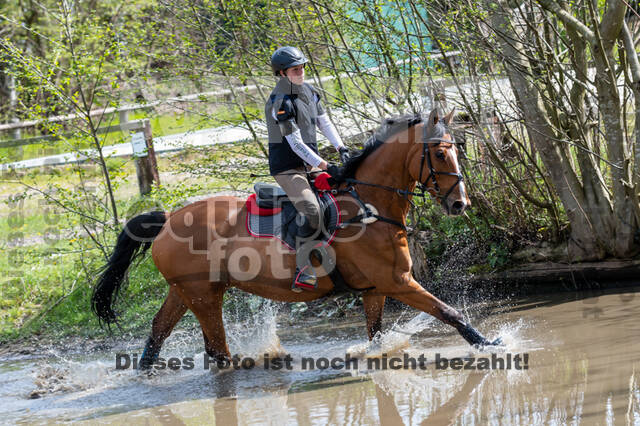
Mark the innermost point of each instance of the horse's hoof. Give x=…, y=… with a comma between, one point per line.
x=496, y=342
x=488, y=344
x=148, y=372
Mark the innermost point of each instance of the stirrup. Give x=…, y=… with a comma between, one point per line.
x=304, y=280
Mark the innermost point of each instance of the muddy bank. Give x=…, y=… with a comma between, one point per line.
x=550, y=277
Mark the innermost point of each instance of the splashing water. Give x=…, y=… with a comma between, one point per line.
x=393, y=340
x=511, y=334
x=251, y=332
x=254, y=334
x=583, y=372
x=62, y=375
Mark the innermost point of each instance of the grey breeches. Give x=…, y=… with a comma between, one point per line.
x=295, y=184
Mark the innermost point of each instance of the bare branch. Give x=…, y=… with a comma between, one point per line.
x=568, y=19
x=612, y=20
x=632, y=55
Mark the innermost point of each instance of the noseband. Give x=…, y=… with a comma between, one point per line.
x=426, y=155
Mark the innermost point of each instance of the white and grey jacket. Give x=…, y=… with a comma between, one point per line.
x=292, y=113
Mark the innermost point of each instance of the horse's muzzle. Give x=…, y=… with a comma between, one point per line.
x=457, y=207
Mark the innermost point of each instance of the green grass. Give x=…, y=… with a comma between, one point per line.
x=31, y=225
x=50, y=294
x=34, y=277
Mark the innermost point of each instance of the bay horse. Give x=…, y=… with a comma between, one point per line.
x=204, y=248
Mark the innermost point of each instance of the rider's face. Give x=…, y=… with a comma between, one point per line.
x=295, y=74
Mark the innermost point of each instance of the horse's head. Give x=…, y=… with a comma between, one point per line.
x=433, y=163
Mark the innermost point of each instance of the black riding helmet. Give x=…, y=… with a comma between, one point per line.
x=287, y=57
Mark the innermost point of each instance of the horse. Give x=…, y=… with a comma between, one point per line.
x=204, y=248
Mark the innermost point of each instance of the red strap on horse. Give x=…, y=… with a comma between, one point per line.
x=322, y=182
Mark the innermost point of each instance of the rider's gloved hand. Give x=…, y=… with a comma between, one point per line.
x=344, y=154
x=333, y=170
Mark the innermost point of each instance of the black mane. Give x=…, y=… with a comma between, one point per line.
x=389, y=127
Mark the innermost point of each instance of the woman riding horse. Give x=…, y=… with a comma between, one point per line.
x=204, y=248
x=292, y=111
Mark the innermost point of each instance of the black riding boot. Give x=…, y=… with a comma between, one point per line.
x=305, y=276
x=305, y=272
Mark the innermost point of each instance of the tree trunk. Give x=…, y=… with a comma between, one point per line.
x=606, y=34
x=583, y=241
x=420, y=268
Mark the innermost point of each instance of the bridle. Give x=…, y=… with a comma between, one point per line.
x=426, y=155
x=422, y=185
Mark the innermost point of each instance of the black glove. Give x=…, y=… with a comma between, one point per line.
x=344, y=154
x=333, y=170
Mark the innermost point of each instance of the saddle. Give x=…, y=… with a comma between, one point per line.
x=270, y=214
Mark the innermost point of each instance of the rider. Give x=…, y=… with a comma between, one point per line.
x=292, y=112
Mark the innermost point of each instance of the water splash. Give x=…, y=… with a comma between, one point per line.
x=50, y=379
x=393, y=340
x=62, y=375
x=252, y=330
x=513, y=337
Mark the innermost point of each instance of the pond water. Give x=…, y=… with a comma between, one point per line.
x=582, y=366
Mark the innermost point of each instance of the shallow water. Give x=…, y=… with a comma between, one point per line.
x=583, y=367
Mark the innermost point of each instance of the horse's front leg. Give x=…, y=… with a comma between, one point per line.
x=417, y=297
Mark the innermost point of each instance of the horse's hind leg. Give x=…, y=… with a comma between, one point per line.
x=373, y=308
x=205, y=300
x=167, y=317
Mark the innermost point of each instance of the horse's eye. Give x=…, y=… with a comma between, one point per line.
x=440, y=155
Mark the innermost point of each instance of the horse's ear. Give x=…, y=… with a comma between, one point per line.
x=449, y=117
x=433, y=117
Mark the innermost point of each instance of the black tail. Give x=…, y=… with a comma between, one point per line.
x=139, y=231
